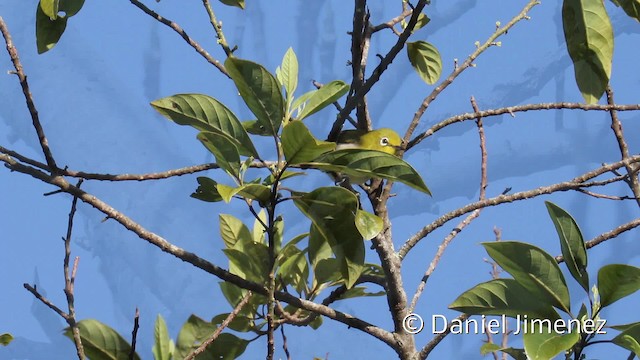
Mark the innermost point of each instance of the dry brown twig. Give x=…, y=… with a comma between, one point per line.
x=173, y=25
x=464, y=223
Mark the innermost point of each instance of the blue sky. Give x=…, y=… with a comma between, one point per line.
x=93, y=92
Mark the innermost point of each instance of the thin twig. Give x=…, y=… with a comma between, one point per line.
x=377, y=72
x=70, y=279
x=514, y=109
x=574, y=184
x=217, y=27
x=35, y=119
x=232, y=315
x=318, y=85
x=194, y=44
x=426, y=350
x=447, y=240
x=491, y=41
x=134, y=334
x=391, y=23
x=616, y=126
x=284, y=343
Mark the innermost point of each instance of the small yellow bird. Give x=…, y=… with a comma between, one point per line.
x=384, y=139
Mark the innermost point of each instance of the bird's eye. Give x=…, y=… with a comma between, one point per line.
x=384, y=141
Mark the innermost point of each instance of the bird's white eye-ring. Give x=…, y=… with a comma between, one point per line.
x=384, y=141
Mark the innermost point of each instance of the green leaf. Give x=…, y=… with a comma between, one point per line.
x=71, y=7
x=193, y=332
x=629, y=339
x=625, y=326
x=423, y=20
x=236, y=3
x=326, y=95
x=571, y=242
x=369, y=225
x=232, y=231
x=487, y=348
x=255, y=128
x=287, y=174
x=534, y=269
x=300, y=146
x=359, y=291
x=319, y=248
x=631, y=7
x=503, y=297
x=250, y=262
x=162, y=342
x=239, y=323
x=48, y=32
x=259, y=90
x=298, y=102
x=294, y=269
x=207, y=190
x=205, y=113
x=426, y=60
x=370, y=164
x=589, y=37
x=258, y=230
x=616, y=281
x=101, y=342
x=5, y=339
x=289, y=73
x=542, y=344
x=225, y=151
x=50, y=8
x=517, y=354
x=332, y=212
x=258, y=192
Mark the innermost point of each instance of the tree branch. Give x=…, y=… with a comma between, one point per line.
x=35, y=119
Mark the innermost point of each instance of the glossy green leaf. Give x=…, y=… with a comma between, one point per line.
x=259, y=90
x=258, y=230
x=542, y=345
x=288, y=73
x=5, y=339
x=631, y=7
x=332, y=212
x=319, y=248
x=236, y=3
x=205, y=113
x=299, y=102
x=239, y=323
x=225, y=151
x=101, y=342
x=534, y=269
x=286, y=175
x=359, y=291
x=503, y=297
x=250, y=262
x=426, y=60
x=294, y=269
x=616, y=281
x=50, y=8
x=48, y=32
x=300, y=146
x=571, y=242
x=232, y=230
x=516, y=354
x=423, y=20
x=71, y=7
x=193, y=332
x=589, y=37
x=258, y=192
x=369, y=225
x=162, y=344
x=625, y=326
x=629, y=339
x=326, y=95
x=370, y=164
x=206, y=190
